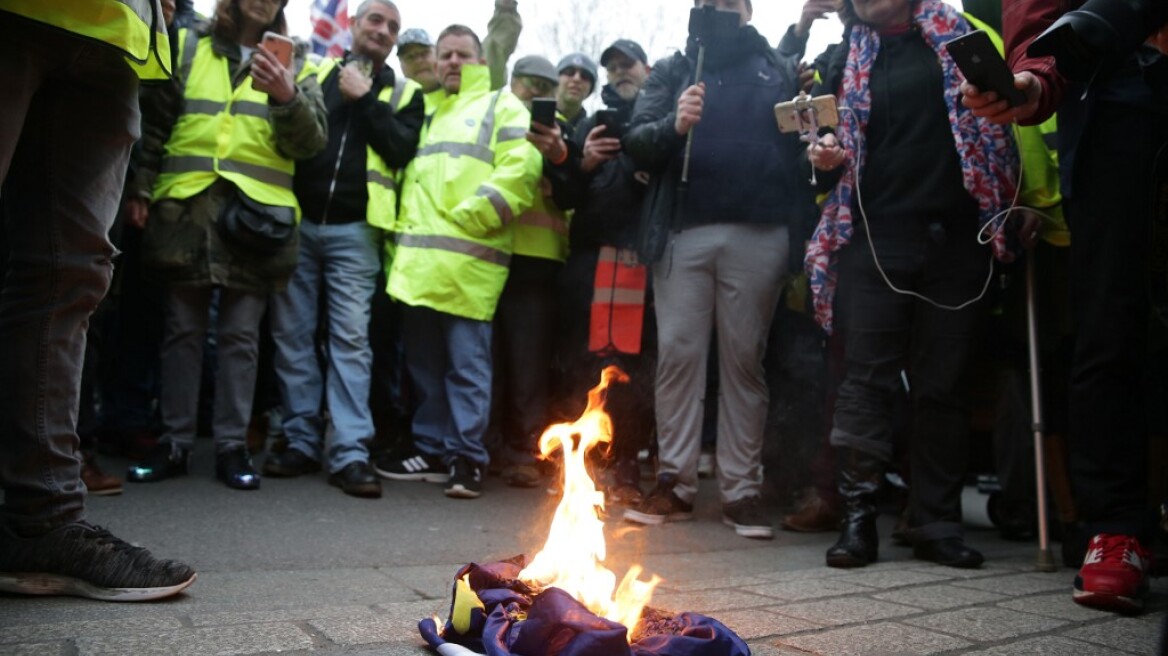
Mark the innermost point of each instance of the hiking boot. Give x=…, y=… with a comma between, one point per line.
x=814, y=514
x=97, y=481
x=466, y=479
x=522, y=476
x=356, y=480
x=289, y=464
x=84, y=560
x=1114, y=575
x=234, y=468
x=660, y=505
x=163, y=462
x=415, y=468
x=748, y=518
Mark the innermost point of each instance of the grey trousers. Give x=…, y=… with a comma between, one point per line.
x=723, y=275
x=236, y=351
x=68, y=117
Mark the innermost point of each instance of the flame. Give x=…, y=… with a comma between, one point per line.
x=572, y=557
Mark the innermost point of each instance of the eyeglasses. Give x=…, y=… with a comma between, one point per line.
x=575, y=72
x=540, y=86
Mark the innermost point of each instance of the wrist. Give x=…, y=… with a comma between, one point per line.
x=562, y=157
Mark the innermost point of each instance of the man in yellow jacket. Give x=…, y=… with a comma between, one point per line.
x=69, y=114
x=474, y=173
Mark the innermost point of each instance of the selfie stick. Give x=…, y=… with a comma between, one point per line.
x=1045, y=559
x=689, y=136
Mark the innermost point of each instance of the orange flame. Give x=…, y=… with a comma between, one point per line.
x=572, y=556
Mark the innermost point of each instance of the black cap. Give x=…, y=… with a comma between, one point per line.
x=627, y=47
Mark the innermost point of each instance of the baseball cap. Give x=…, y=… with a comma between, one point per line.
x=536, y=66
x=581, y=61
x=628, y=47
x=414, y=37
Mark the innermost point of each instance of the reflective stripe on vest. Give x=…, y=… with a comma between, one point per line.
x=133, y=26
x=224, y=131
x=480, y=150
x=618, y=303
x=456, y=245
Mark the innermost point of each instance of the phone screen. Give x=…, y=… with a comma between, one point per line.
x=543, y=111
x=610, y=119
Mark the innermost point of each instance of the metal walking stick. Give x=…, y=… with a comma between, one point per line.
x=1045, y=562
x=705, y=24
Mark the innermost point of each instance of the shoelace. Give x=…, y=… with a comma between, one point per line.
x=104, y=537
x=1114, y=548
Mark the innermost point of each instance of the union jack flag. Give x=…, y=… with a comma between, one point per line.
x=330, y=27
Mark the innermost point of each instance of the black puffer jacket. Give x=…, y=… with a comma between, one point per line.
x=741, y=169
x=609, y=211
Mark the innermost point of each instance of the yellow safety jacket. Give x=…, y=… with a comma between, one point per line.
x=223, y=131
x=1039, y=156
x=542, y=231
x=473, y=174
x=135, y=27
x=381, y=181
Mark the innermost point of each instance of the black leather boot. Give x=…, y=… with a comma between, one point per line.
x=859, y=477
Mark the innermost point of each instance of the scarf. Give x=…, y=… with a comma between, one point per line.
x=989, y=160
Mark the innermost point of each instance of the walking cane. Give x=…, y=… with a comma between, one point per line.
x=1045, y=558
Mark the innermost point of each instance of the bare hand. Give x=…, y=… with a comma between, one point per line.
x=826, y=154
x=689, y=108
x=598, y=149
x=549, y=141
x=806, y=77
x=353, y=84
x=269, y=76
x=987, y=105
x=1027, y=225
x=813, y=10
x=137, y=211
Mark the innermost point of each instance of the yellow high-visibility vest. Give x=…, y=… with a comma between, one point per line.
x=135, y=27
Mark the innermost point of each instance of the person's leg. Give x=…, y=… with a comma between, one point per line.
x=293, y=319
x=350, y=273
x=467, y=384
x=684, y=288
x=181, y=363
x=238, y=349
x=425, y=340
x=750, y=263
x=69, y=115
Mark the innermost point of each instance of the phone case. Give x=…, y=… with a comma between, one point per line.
x=280, y=46
x=983, y=66
x=543, y=111
x=825, y=111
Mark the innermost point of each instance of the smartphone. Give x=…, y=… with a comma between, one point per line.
x=610, y=119
x=543, y=111
x=983, y=66
x=280, y=46
x=800, y=114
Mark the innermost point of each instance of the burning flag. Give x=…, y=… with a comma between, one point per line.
x=565, y=602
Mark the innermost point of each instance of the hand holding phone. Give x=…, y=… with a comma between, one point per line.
x=280, y=46
x=610, y=119
x=543, y=111
x=983, y=66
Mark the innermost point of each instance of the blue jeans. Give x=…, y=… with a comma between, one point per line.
x=449, y=360
x=69, y=115
x=341, y=262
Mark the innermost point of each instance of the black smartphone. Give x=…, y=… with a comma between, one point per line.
x=543, y=111
x=610, y=119
x=984, y=67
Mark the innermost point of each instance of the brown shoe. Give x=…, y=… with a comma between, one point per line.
x=814, y=514
x=98, y=482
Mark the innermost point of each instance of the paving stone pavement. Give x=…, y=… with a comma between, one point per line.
x=299, y=568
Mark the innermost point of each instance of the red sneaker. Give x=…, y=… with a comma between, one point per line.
x=1114, y=575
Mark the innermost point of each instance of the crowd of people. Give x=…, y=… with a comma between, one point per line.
x=409, y=276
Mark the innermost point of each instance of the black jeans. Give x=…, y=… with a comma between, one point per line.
x=889, y=333
x=1111, y=217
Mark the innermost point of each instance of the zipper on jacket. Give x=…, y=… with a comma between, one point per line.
x=336, y=170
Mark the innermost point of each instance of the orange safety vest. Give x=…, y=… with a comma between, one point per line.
x=618, y=302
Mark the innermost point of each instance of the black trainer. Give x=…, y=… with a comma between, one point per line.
x=748, y=518
x=84, y=560
x=164, y=461
x=466, y=479
x=660, y=505
x=415, y=468
x=234, y=468
x=357, y=479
